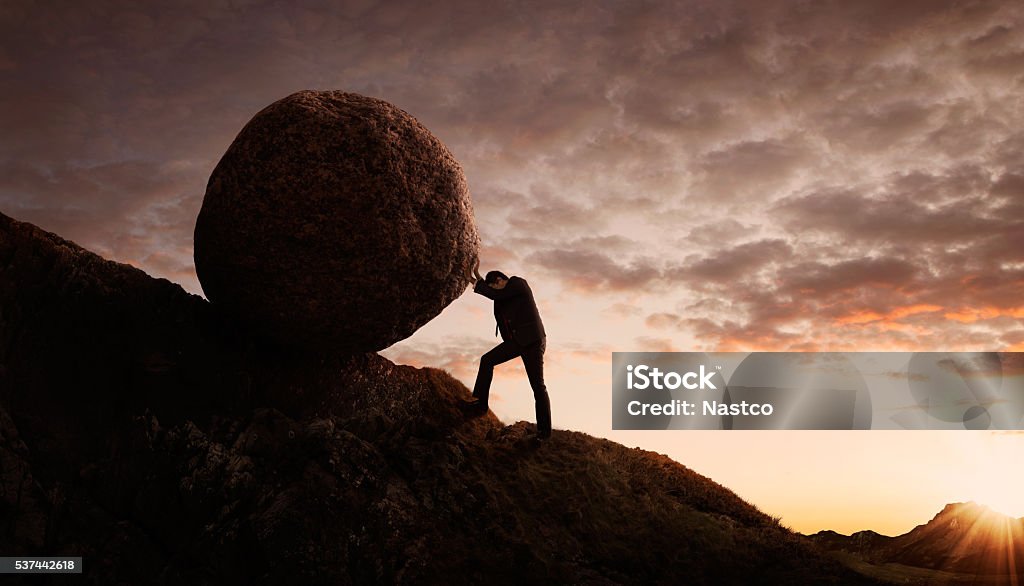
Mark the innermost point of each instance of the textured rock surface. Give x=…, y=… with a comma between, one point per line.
x=139, y=431
x=335, y=220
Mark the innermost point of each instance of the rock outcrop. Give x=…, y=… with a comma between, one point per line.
x=335, y=221
x=140, y=431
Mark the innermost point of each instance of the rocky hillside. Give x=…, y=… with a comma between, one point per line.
x=141, y=430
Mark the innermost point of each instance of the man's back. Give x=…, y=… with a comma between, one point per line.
x=515, y=310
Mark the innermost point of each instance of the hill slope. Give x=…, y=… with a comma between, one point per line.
x=167, y=446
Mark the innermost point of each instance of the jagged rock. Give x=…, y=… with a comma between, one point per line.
x=335, y=221
x=227, y=462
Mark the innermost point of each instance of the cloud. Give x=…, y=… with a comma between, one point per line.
x=912, y=208
x=557, y=217
x=597, y=353
x=754, y=166
x=650, y=344
x=716, y=232
x=594, y=271
x=623, y=310
x=778, y=175
x=138, y=212
x=728, y=266
x=459, y=355
x=663, y=320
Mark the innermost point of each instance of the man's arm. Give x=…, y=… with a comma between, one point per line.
x=515, y=287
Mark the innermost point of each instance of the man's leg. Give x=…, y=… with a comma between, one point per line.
x=501, y=353
x=533, y=360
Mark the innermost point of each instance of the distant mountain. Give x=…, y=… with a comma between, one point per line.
x=164, y=444
x=966, y=539
x=862, y=542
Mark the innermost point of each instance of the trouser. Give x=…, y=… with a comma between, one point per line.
x=533, y=360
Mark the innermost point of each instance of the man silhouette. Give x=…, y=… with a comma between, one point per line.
x=522, y=334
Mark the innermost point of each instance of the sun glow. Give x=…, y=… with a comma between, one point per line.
x=996, y=478
x=992, y=539
x=1005, y=499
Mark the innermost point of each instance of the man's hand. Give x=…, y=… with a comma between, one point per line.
x=473, y=275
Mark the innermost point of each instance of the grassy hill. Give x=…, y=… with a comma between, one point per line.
x=165, y=445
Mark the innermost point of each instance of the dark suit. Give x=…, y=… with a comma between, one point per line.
x=522, y=334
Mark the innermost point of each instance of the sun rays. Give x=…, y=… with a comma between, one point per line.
x=987, y=542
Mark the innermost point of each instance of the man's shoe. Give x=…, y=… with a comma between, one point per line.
x=474, y=406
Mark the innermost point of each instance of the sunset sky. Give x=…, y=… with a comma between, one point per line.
x=714, y=175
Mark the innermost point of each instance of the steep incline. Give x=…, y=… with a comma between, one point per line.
x=142, y=431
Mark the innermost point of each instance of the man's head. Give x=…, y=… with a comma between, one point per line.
x=496, y=279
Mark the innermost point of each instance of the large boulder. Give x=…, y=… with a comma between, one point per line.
x=335, y=221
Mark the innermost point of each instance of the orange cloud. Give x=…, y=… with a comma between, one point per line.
x=860, y=317
x=901, y=312
x=970, y=315
x=863, y=317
